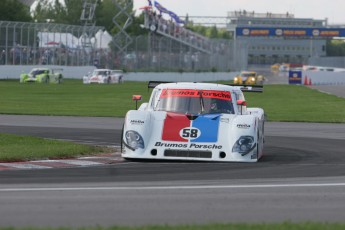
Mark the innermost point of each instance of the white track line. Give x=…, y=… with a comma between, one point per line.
x=173, y=187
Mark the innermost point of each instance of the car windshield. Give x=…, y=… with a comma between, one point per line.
x=37, y=71
x=248, y=74
x=188, y=101
x=100, y=72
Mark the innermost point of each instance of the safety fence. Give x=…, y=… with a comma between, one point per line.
x=68, y=45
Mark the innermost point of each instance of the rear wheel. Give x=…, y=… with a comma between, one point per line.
x=60, y=79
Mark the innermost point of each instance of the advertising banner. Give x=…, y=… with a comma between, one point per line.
x=295, y=77
x=289, y=32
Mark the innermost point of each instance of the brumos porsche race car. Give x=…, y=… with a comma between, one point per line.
x=195, y=121
x=42, y=75
x=248, y=78
x=104, y=76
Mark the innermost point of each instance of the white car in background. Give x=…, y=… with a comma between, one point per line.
x=104, y=76
x=195, y=121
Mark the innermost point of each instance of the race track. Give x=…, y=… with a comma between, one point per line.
x=300, y=178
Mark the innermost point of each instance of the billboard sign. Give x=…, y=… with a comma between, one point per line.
x=289, y=32
x=295, y=77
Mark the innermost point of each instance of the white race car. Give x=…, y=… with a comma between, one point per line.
x=104, y=76
x=195, y=121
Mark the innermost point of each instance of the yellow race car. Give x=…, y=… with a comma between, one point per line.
x=275, y=67
x=248, y=78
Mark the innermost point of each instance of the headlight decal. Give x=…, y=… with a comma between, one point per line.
x=134, y=140
x=244, y=145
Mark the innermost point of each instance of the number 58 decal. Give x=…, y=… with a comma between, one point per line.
x=190, y=133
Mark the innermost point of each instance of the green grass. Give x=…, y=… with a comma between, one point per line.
x=72, y=98
x=279, y=226
x=19, y=148
x=298, y=104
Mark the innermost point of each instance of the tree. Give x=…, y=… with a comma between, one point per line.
x=335, y=48
x=213, y=32
x=14, y=10
x=67, y=13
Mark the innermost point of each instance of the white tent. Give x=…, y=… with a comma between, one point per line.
x=101, y=40
x=49, y=39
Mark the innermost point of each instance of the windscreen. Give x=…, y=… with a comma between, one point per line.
x=189, y=101
x=38, y=71
x=100, y=73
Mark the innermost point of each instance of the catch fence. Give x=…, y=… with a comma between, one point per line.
x=23, y=43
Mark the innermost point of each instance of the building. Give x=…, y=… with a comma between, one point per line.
x=278, y=37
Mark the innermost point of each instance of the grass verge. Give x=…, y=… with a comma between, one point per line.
x=72, y=98
x=20, y=148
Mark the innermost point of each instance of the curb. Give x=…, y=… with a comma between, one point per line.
x=64, y=163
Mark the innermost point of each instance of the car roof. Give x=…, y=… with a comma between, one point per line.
x=197, y=86
x=40, y=69
x=102, y=70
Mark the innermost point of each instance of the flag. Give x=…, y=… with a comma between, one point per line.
x=160, y=8
x=176, y=18
x=150, y=3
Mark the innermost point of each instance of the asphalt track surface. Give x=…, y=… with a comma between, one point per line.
x=300, y=178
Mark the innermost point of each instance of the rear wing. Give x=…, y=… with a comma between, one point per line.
x=153, y=84
x=243, y=88
x=249, y=88
x=57, y=70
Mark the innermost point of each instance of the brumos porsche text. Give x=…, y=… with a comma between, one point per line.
x=190, y=145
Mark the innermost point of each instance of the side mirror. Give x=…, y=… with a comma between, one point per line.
x=241, y=104
x=136, y=98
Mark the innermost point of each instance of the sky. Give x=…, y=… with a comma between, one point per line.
x=333, y=10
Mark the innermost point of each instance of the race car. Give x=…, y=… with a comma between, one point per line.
x=104, y=76
x=275, y=67
x=195, y=121
x=42, y=75
x=248, y=78
x=284, y=67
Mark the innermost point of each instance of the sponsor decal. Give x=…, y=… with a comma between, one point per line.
x=222, y=95
x=259, y=32
x=294, y=32
x=316, y=32
x=243, y=126
x=279, y=32
x=187, y=145
x=330, y=33
x=190, y=133
x=225, y=120
x=177, y=127
x=137, y=122
x=245, y=32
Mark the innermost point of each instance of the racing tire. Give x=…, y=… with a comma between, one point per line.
x=258, y=147
x=122, y=145
x=59, y=79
